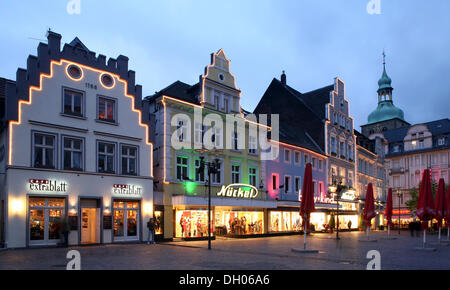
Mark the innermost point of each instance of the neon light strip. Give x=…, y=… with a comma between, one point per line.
x=42, y=76
x=300, y=148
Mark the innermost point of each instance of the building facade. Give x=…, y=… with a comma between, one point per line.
x=191, y=124
x=411, y=150
x=320, y=121
x=371, y=169
x=76, y=150
x=284, y=179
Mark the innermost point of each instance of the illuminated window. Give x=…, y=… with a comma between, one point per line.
x=73, y=103
x=105, y=157
x=129, y=159
x=73, y=154
x=44, y=151
x=106, y=109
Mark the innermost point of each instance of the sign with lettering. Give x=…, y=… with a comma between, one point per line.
x=238, y=191
x=348, y=195
x=127, y=190
x=47, y=186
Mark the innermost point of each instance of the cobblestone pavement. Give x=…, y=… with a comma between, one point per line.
x=272, y=253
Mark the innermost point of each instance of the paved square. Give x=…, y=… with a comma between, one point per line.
x=272, y=253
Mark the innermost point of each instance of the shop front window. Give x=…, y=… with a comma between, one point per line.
x=285, y=221
x=126, y=220
x=159, y=222
x=192, y=224
x=45, y=220
x=230, y=222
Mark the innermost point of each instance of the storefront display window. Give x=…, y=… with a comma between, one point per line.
x=45, y=220
x=230, y=222
x=158, y=222
x=126, y=220
x=318, y=221
x=285, y=221
x=191, y=223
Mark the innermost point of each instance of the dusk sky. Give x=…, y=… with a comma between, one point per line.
x=312, y=40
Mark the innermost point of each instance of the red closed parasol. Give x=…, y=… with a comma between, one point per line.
x=425, y=206
x=307, y=202
x=369, y=207
x=447, y=212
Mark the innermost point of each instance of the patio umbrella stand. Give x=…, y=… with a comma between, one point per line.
x=306, y=208
x=369, y=213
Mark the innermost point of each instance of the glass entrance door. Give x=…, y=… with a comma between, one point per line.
x=44, y=222
x=126, y=220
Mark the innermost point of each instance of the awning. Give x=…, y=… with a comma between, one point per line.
x=183, y=200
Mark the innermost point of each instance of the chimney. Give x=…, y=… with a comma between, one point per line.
x=54, y=42
x=283, y=78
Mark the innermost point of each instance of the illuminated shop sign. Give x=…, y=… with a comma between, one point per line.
x=238, y=191
x=45, y=185
x=401, y=212
x=126, y=189
x=348, y=195
x=320, y=199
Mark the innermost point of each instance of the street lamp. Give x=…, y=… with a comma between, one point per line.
x=336, y=190
x=213, y=168
x=400, y=201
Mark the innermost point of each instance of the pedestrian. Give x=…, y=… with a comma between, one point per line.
x=151, y=231
x=412, y=227
x=64, y=228
x=349, y=225
x=417, y=228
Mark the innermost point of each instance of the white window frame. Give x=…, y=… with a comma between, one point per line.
x=44, y=146
x=128, y=157
x=72, y=150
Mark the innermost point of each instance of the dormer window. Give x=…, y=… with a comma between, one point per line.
x=441, y=141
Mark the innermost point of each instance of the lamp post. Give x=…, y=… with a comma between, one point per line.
x=213, y=168
x=400, y=200
x=336, y=190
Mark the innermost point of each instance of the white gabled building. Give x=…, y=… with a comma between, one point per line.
x=75, y=144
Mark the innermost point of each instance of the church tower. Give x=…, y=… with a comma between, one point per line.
x=386, y=116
